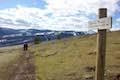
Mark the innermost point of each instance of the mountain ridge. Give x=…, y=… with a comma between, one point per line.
x=13, y=37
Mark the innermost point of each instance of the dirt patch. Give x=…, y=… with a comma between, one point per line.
x=89, y=69
x=24, y=69
x=114, y=76
x=92, y=53
x=50, y=54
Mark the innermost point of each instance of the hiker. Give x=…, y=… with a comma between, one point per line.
x=25, y=46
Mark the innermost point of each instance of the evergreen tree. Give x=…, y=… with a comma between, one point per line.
x=36, y=40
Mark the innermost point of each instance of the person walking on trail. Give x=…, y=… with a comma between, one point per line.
x=25, y=46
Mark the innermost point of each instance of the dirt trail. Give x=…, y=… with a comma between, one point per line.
x=24, y=68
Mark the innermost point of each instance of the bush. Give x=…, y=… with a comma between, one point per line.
x=36, y=40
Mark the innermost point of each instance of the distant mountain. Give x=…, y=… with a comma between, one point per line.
x=7, y=31
x=33, y=31
x=14, y=37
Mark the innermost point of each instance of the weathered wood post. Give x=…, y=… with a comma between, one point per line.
x=101, y=48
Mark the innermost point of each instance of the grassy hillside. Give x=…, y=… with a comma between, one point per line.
x=8, y=56
x=74, y=58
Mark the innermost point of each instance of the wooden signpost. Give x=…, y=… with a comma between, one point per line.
x=102, y=25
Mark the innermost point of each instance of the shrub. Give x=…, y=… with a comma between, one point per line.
x=36, y=40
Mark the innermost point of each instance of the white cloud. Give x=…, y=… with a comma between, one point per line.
x=23, y=17
x=33, y=16
x=88, y=6
x=65, y=14
x=118, y=19
x=117, y=24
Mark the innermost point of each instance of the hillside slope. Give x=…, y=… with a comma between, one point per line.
x=74, y=58
x=8, y=57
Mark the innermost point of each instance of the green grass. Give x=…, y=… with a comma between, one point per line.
x=8, y=56
x=66, y=59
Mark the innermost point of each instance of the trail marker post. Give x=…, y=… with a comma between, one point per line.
x=102, y=24
x=101, y=48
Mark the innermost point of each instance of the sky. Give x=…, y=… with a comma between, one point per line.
x=55, y=14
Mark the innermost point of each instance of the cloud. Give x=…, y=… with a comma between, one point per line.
x=117, y=24
x=88, y=6
x=58, y=14
x=118, y=19
x=81, y=10
x=22, y=16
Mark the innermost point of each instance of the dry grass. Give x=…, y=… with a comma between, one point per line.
x=68, y=58
x=8, y=56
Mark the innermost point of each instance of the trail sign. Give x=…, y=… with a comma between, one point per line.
x=102, y=23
